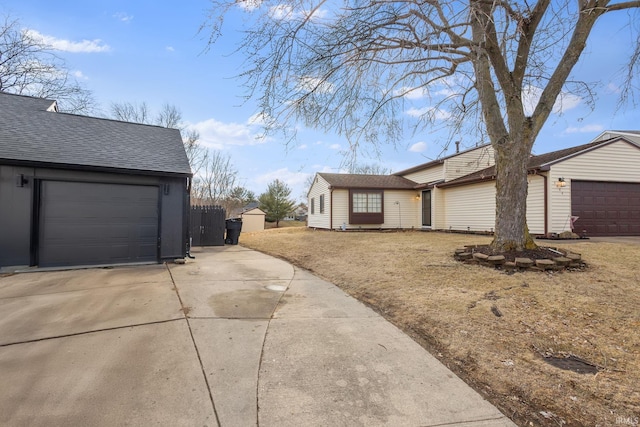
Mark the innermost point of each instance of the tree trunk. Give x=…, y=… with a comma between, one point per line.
x=511, y=231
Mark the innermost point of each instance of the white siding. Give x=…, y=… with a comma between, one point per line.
x=616, y=162
x=404, y=213
x=438, y=209
x=473, y=207
x=432, y=174
x=340, y=208
x=470, y=207
x=535, y=204
x=468, y=162
x=317, y=220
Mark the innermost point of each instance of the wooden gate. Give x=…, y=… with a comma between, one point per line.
x=207, y=225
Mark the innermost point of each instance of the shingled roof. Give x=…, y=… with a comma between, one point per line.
x=385, y=182
x=539, y=162
x=32, y=132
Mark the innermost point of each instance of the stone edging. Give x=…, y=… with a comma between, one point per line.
x=565, y=260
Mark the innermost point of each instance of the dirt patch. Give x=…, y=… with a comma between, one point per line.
x=451, y=308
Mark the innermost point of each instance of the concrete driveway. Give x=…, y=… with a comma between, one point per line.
x=233, y=338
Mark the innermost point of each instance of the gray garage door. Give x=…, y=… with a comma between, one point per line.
x=606, y=208
x=87, y=223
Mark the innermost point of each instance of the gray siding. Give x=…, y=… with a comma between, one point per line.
x=15, y=216
x=16, y=211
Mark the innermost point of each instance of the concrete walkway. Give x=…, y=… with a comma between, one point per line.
x=233, y=338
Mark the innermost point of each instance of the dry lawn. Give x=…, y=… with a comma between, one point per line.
x=412, y=279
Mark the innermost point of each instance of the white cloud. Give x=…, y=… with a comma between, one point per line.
x=585, y=129
x=565, y=101
x=123, y=17
x=303, y=147
x=308, y=83
x=217, y=134
x=170, y=49
x=431, y=112
x=418, y=147
x=78, y=75
x=286, y=12
x=412, y=92
x=613, y=88
x=281, y=11
x=290, y=178
x=84, y=46
x=249, y=5
x=335, y=146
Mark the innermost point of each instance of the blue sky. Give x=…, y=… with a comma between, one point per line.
x=150, y=51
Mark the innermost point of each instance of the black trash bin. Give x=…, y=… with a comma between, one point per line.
x=234, y=226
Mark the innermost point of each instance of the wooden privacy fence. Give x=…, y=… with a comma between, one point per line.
x=207, y=225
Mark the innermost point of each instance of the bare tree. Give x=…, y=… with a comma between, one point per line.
x=196, y=153
x=129, y=112
x=495, y=67
x=370, y=169
x=216, y=181
x=169, y=117
x=30, y=67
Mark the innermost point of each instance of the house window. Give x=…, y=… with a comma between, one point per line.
x=313, y=206
x=322, y=203
x=366, y=207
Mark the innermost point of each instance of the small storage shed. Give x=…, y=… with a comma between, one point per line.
x=253, y=220
x=78, y=190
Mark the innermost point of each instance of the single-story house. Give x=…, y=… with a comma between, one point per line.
x=78, y=190
x=253, y=220
x=593, y=189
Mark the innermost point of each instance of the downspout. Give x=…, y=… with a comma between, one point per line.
x=330, y=208
x=187, y=212
x=546, y=195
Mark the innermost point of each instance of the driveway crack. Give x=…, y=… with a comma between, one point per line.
x=185, y=312
x=264, y=340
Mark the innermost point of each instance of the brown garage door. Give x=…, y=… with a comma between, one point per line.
x=606, y=208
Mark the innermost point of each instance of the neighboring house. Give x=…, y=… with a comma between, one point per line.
x=77, y=190
x=300, y=213
x=593, y=187
x=253, y=220
x=362, y=201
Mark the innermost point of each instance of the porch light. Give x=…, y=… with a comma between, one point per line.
x=560, y=182
x=418, y=196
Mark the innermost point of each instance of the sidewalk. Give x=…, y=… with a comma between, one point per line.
x=232, y=338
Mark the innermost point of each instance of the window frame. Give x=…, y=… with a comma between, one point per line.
x=313, y=205
x=321, y=204
x=367, y=217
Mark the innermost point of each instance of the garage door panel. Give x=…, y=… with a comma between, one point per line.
x=606, y=208
x=89, y=223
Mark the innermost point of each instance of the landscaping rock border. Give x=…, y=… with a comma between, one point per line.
x=565, y=260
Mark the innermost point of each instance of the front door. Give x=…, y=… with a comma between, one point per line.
x=426, y=208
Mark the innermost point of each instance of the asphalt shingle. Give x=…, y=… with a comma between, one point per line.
x=31, y=133
x=386, y=182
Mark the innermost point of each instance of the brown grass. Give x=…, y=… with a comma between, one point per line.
x=284, y=224
x=412, y=279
